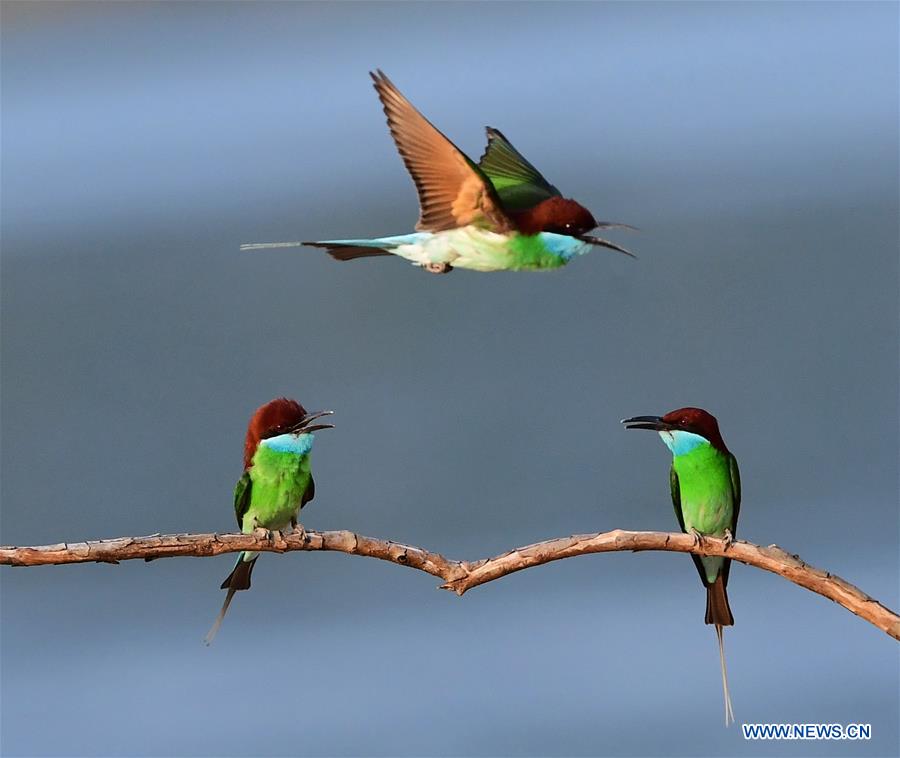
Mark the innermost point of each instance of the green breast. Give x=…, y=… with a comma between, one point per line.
x=529, y=252
x=279, y=480
x=704, y=480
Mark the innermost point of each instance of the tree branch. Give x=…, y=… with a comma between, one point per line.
x=461, y=576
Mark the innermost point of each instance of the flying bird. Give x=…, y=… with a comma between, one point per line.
x=500, y=214
x=276, y=482
x=706, y=490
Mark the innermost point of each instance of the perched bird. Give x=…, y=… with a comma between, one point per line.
x=276, y=482
x=498, y=215
x=706, y=491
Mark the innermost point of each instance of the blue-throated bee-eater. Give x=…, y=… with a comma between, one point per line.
x=497, y=215
x=705, y=484
x=276, y=483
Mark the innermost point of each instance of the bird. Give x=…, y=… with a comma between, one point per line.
x=500, y=214
x=276, y=482
x=705, y=484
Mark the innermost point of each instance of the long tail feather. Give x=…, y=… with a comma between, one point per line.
x=717, y=609
x=729, y=711
x=238, y=579
x=341, y=250
x=352, y=252
x=213, y=630
x=270, y=245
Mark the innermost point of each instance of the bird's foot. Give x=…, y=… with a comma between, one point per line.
x=438, y=268
x=261, y=531
x=298, y=529
x=699, y=539
x=728, y=539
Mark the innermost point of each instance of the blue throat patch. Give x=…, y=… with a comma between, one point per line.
x=564, y=246
x=681, y=443
x=298, y=444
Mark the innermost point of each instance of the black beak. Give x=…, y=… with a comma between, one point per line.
x=303, y=426
x=654, y=423
x=590, y=239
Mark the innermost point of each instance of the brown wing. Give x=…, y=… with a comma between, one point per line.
x=453, y=191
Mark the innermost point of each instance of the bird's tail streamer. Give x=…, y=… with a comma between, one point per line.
x=238, y=579
x=729, y=712
x=269, y=245
x=211, y=634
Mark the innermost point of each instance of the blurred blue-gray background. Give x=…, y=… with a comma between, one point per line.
x=755, y=145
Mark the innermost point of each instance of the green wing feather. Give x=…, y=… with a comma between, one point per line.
x=242, y=497
x=519, y=185
x=309, y=493
x=735, y=492
x=675, y=489
x=736, y=509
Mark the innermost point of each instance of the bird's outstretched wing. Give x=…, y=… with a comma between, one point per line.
x=675, y=489
x=242, y=497
x=518, y=184
x=453, y=192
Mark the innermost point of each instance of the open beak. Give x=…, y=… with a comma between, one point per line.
x=591, y=240
x=305, y=427
x=654, y=423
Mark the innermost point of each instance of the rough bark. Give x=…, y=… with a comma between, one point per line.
x=461, y=576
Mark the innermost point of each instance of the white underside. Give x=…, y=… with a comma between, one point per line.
x=472, y=248
x=467, y=247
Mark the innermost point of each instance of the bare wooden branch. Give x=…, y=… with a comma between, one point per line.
x=461, y=576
